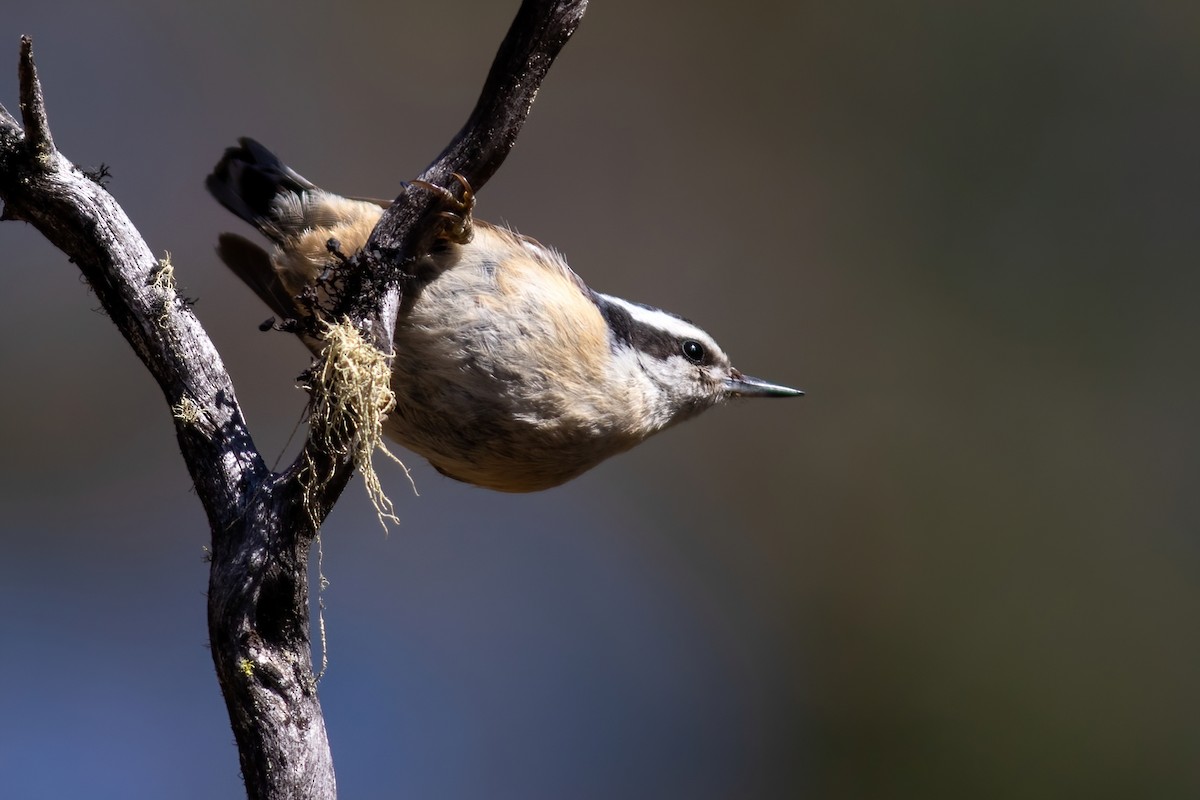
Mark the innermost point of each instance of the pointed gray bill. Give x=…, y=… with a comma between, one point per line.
x=740, y=385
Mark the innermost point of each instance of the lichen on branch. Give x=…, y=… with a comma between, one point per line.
x=350, y=395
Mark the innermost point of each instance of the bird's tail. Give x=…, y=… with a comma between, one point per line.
x=254, y=184
x=300, y=218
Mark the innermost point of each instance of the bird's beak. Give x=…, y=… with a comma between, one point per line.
x=739, y=385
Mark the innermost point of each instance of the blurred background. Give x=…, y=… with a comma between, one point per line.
x=966, y=565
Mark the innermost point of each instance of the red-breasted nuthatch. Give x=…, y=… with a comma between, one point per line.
x=509, y=372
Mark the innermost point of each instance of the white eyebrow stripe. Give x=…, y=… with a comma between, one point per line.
x=662, y=320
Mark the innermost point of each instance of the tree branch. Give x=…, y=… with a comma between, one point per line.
x=263, y=523
x=77, y=215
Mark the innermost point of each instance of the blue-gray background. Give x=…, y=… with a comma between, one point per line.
x=966, y=565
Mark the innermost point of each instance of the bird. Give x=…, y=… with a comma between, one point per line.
x=508, y=371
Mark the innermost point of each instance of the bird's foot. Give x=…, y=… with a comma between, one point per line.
x=455, y=216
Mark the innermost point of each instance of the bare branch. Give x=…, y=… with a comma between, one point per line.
x=262, y=523
x=537, y=35
x=257, y=592
x=83, y=220
x=33, y=105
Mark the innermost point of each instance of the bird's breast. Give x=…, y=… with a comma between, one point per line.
x=502, y=369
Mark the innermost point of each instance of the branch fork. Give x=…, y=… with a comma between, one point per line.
x=263, y=522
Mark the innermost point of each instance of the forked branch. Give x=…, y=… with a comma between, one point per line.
x=262, y=524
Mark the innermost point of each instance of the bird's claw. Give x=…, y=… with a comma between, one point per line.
x=455, y=217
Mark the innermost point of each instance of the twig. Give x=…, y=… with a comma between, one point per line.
x=33, y=105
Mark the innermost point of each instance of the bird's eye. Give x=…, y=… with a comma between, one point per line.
x=693, y=351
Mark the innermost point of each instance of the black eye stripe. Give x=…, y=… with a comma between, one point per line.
x=638, y=335
x=647, y=338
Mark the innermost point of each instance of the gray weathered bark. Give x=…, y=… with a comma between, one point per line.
x=261, y=528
